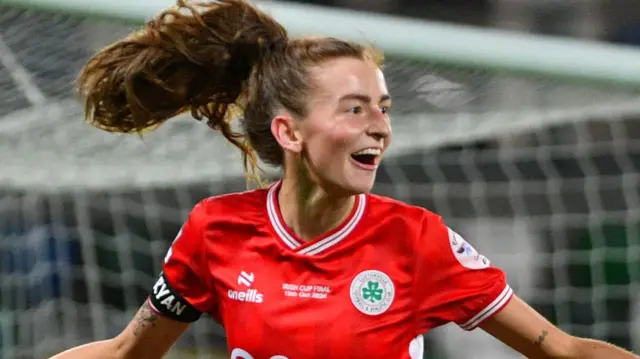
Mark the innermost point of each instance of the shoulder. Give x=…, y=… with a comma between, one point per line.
x=231, y=205
x=406, y=222
x=419, y=226
x=390, y=207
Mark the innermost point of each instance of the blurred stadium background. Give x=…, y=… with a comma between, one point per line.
x=528, y=146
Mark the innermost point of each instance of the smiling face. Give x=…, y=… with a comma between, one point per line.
x=341, y=141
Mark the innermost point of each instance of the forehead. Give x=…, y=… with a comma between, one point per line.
x=337, y=77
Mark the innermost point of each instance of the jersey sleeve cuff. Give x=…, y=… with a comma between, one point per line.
x=490, y=310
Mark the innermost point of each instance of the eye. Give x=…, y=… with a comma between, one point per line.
x=356, y=110
x=385, y=109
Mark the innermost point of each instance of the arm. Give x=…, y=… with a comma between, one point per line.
x=148, y=336
x=179, y=297
x=526, y=331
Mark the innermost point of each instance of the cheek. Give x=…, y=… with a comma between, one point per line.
x=330, y=142
x=387, y=140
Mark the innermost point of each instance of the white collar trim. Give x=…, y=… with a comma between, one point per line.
x=321, y=245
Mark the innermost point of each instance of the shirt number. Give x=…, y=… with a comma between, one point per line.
x=243, y=354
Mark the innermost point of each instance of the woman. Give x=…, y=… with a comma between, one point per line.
x=313, y=266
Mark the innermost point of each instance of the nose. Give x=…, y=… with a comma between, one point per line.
x=380, y=126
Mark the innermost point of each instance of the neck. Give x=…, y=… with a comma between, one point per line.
x=309, y=210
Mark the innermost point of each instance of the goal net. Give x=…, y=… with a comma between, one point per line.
x=540, y=172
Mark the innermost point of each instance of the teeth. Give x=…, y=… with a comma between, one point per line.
x=368, y=151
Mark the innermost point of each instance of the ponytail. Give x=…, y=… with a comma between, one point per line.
x=193, y=58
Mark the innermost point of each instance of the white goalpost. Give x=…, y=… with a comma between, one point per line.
x=528, y=145
x=420, y=51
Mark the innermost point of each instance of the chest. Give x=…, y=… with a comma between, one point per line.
x=354, y=305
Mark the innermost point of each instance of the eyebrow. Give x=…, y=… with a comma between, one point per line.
x=363, y=98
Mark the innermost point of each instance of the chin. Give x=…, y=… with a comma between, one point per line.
x=350, y=188
x=361, y=185
x=351, y=183
x=365, y=187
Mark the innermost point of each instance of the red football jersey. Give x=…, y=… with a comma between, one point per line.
x=368, y=289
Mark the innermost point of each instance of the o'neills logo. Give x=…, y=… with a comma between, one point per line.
x=251, y=296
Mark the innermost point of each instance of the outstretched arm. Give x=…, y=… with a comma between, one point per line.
x=526, y=331
x=148, y=335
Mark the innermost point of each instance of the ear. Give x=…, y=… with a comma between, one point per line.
x=285, y=130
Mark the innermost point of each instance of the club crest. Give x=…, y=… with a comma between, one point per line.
x=372, y=292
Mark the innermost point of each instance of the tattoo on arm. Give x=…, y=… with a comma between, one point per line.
x=541, y=338
x=145, y=318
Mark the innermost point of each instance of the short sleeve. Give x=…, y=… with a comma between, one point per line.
x=453, y=282
x=182, y=292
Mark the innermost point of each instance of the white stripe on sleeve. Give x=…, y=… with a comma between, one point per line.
x=490, y=309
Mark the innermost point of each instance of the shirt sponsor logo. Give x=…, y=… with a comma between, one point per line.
x=249, y=295
x=246, y=279
x=372, y=292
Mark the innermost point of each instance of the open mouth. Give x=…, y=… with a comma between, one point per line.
x=365, y=159
x=366, y=156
